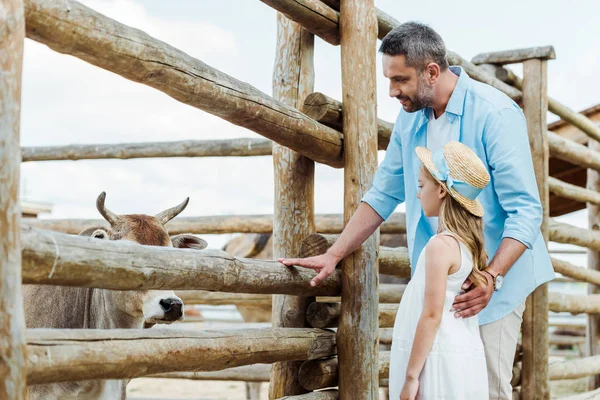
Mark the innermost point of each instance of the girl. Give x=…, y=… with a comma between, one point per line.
x=435, y=355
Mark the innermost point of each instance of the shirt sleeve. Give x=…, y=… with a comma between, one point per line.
x=509, y=156
x=388, y=185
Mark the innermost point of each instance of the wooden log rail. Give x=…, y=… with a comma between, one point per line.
x=320, y=395
x=515, y=56
x=573, y=192
x=74, y=29
x=570, y=369
x=319, y=374
x=58, y=259
x=392, y=261
x=244, y=147
x=578, y=273
x=12, y=325
x=576, y=119
x=575, y=153
x=246, y=373
x=329, y=112
x=386, y=23
x=565, y=233
x=326, y=315
x=574, y=304
x=82, y=354
x=218, y=224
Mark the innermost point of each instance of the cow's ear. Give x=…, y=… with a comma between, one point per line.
x=187, y=241
x=100, y=234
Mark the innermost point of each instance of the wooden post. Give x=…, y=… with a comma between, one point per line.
x=294, y=211
x=358, y=331
x=12, y=323
x=535, y=320
x=593, y=322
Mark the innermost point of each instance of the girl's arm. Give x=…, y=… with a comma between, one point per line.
x=440, y=256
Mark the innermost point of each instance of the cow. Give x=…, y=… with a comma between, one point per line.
x=63, y=307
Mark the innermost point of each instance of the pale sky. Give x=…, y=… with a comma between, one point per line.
x=67, y=101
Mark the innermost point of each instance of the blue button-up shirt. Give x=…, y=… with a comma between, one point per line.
x=493, y=126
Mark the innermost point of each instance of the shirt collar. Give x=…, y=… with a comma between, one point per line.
x=457, y=99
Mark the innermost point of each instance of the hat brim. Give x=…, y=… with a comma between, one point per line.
x=472, y=206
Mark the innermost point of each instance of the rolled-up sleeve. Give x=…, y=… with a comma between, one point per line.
x=509, y=156
x=388, y=185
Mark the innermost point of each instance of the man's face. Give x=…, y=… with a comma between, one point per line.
x=410, y=87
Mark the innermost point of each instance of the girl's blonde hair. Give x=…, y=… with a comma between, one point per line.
x=468, y=228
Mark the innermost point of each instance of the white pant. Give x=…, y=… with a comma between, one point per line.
x=500, y=343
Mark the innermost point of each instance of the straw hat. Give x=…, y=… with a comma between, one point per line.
x=460, y=171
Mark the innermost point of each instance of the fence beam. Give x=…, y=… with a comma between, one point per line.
x=294, y=176
x=217, y=224
x=358, y=330
x=57, y=259
x=12, y=323
x=82, y=354
x=135, y=55
x=244, y=147
x=535, y=384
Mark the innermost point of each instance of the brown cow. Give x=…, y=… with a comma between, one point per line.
x=89, y=308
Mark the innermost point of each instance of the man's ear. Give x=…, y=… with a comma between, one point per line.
x=188, y=241
x=432, y=72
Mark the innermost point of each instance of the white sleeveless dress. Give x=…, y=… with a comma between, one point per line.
x=455, y=368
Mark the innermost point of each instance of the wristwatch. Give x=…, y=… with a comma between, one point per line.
x=497, y=278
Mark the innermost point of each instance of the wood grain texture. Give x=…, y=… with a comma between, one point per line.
x=217, y=224
x=573, y=192
x=12, y=323
x=535, y=384
x=515, y=56
x=58, y=259
x=294, y=177
x=577, y=273
x=561, y=232
x=313, y=15
x=319, y=374
x=392, y=261
x=80, y=354
x=69, y=27
x=358, y=329
x=244, y=147
x=328, y=111
x=246, y=373
x=593, y=263
x=568, y=150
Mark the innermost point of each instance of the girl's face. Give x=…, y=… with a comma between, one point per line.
x=431, y=194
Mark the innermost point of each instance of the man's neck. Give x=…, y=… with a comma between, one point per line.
x=445, y=86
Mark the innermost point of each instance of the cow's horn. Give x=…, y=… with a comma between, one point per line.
x=108, y=215
x=171, y=213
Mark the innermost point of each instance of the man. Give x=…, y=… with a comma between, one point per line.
x=440, y=104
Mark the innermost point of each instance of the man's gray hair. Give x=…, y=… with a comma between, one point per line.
x=419, y=43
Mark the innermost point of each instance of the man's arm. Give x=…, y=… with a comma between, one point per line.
x=507, y=146
x=377, y=205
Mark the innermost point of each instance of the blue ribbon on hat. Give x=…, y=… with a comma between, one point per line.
x=463, y=188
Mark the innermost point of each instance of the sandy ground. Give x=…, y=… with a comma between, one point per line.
x=179, y=389
x=176, y=389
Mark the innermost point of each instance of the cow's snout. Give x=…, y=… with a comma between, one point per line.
x=173, y=308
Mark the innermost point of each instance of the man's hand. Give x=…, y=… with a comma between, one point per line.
x=471, y=303
x=323, y=264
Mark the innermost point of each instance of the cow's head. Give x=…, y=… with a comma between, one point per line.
x=153, y=306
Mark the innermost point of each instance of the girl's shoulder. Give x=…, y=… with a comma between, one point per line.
x=445, y=246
